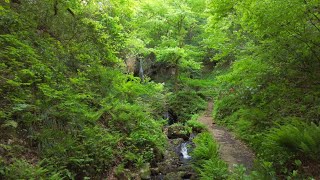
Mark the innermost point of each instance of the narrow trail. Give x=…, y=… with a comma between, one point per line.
x=231, y=150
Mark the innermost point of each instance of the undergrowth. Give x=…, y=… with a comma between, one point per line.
x=67, y=109
x=275, y=116
x=185, y=104
x=206, y=158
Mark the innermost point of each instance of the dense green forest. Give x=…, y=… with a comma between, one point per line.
x=90, y=89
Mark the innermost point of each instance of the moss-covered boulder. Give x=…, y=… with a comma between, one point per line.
x=145, y=172
x=180, y=175
x=178, y=131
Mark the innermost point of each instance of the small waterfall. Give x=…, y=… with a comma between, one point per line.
x=141, y=71
x=184, y=151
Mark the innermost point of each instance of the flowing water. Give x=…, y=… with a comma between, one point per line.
x=184, y=151
x=141, y=71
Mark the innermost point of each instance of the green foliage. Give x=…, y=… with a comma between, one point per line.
x=239, y=172
x=186, y=103
x=21, y=169
x=170, y=30
x=207, y=160
x=66, y=99
x=203, y=85
x=195, y=125
x=180, y=128
x=272, y=51
x=225, y=107
x=300, y=138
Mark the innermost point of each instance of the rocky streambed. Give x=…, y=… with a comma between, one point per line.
x=174, y=164
x=177, y=161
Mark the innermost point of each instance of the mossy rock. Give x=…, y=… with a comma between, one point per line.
x=176, y=142
x=145, y=172
x=124, y=174
x=180, y=175
x=178, y=131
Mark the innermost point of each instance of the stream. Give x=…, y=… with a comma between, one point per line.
x=176, y=164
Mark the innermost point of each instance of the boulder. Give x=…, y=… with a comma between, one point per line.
x=145, y=172
x=178, y=131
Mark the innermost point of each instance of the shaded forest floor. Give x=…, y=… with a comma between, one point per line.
x=232, y=150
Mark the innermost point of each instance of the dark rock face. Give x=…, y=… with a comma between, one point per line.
x=145, y=63
x=157, y=71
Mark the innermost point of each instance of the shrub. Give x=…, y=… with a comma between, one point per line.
x=225, y=106
x=21, y=169
x=300, y=138
x=195, y=125
x=186, y=103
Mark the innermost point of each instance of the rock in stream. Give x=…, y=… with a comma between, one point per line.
x=177, y=160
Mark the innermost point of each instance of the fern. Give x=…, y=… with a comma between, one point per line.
x=300, y=138
x=207, y=160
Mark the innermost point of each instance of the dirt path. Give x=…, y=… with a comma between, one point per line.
x=231, y=150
